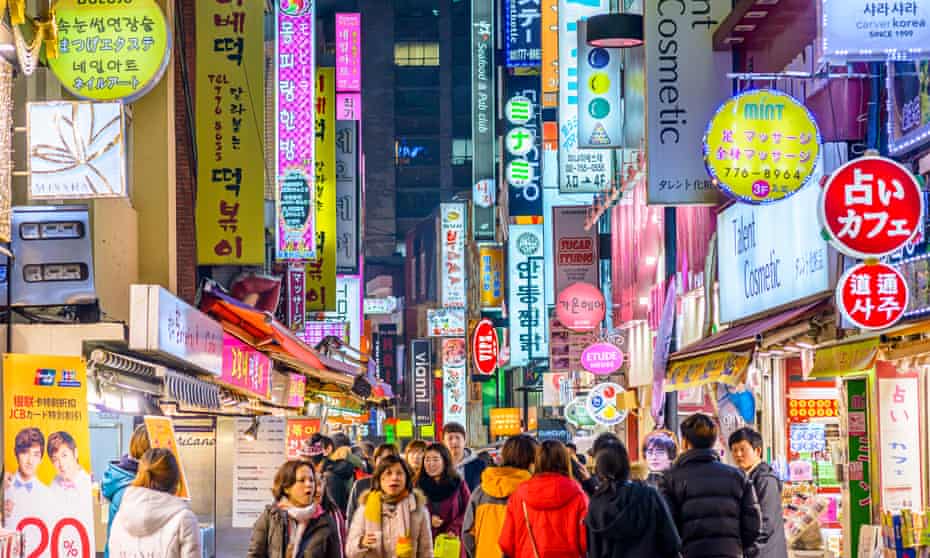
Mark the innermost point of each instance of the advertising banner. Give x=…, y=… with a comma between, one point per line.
x=246, y=368
x=685, y=83
x=899, y=429
x=255, y=463
x=299, y=432
x=549, y=66
x=161, y=435
x=454, y=381
x=576, y=250
x=491, y=275
x=483, y=95
x=867, y=30
x=231, y=166
x=522, y=146
x=452, y=259
x=580, y=170
x=529, y=324
x=349, y=306
x=600, y=100
x=47, y=439
x=348, y=197
x=522, y=33
x=321, y=272
x=295, y=232
x=348, y=52
x=421, y=365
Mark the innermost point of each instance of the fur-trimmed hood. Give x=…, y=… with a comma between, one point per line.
x=417, y=493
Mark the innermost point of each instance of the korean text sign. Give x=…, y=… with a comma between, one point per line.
x=348, y=52
x=299, y=432
x=246, y=368
x=230, y=109
x=348, y=197
x=872, y=296
x=454, y=381
x=321, y=272
x=871, y=30
x=47, y=454
x=452, y=242
x=294, y=78
x=529, y=323
x=900, y=437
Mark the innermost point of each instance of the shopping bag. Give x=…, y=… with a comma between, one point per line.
x=447, y=546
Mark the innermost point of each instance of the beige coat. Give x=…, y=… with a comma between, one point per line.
x=393, y=525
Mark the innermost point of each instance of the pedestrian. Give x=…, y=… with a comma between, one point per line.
x=487, y=508
x=588, y=481
x=446, y=491
x=466, y=461
x=338, y=467
x=413, y=455
x=746, y=448
x=151, y=520
x=392, y=518
x=573, y=451
x=660, y=450
x=627, y=519
x=364, y=484
x=120, y=474
x=366, y=451
x=713, y=504
x=294, y=525
x=545, y=515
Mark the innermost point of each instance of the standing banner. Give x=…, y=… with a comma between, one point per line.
x=348, y=197
x=522, y=27
x=294, y=66
x=522, y=146
x=600, y=100
x=421, y=365
x=529, y=326
x=348, y=52
x=49, y=495
x=483, y=115
x=161, y=435
x=321, y=272
x=576, y=250
x=587, y=170
x=230, y=110
x=299, y=432
x=549, y=66
x=454, y=381
x=255, y=462
x=452, y=260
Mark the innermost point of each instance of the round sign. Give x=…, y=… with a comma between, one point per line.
x=581, y=307
x=872, y=296
x=296, y=7
x=762, y=146
x=602, y=359
x=109, y=51
x=519, y=110
x=520, y=173
x=601, y=404
x=485, y=347
x=576, y=414
x=871, y=207
x=520, y=141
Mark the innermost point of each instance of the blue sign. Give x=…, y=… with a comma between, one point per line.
x=522, y=33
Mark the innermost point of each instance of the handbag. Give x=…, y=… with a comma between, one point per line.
x=529, y=531
x=447, y=546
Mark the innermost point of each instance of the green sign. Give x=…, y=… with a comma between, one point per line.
x=111, y=51
x=859, y=478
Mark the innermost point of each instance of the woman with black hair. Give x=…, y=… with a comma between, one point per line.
x=446, y=492
x=627, y=519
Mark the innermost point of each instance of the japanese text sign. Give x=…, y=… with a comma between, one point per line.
x=522, y=27
x=762, y=146
x=348, y=52
x=296, y=303
x=294, y=145
x=872, y=296
x=526, y=302
x=229, y=110
x=321, y=272
x=491, y=276
x=859, y=457
x=523, y=150
x=299, y=432
x=485, y=347
x=872, y=30
x=871, y=207
x=452, y=242
x=900, y=427
x=246, y=368
x=454, y=381
x=110, y=52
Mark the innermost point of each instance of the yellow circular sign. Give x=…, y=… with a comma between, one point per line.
x=109, y=51
x=762, y=146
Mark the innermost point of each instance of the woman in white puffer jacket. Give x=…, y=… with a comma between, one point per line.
x=152, y=521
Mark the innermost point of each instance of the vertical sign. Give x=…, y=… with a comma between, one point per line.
x=296, y=303
x=858, y=477
x=387, y=364
x=491, y=275
x=685, y=85
x=230, y=109
x=588, y=170
x=522, y=43
x=549, y=67
x=482, y=100
x=348, y=52
x=600, y=104
x=523, y=150
x=576, y=249
x=349, y=306
x=899, y=429
x=294, y=66
x=46, y=439
x=454, y=381
x=452, y=242
x=347, y=197
x=421, y=366
x=321, y=272
x=529, y=324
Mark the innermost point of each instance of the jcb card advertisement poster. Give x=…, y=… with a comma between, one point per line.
x=47, y=484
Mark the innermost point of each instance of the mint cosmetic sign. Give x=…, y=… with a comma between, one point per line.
x=770, y=256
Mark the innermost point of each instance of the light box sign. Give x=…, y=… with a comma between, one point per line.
x=483, y=114
x=296, y=303
x=491, y=275
x=576, y=250
x=321, y=272
x=295, y=232
x=349, y=106
x=523, y=149
x=452, y=259
x=421, y=366
x=600, y=101
x=454, y=381
x=316, y=331
x=900, y=430
x=349, y=306
x=761, y=271
x=348, y=52
x=76, y=150
x=246, y=368
x=908, y=105
x=445, y=322
x=529, y=324
x=868, y=30
x=348, y=198
x=522, y=33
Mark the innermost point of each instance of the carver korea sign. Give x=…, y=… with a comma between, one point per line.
x=870, y=30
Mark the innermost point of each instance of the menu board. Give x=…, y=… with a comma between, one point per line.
x=255, y=463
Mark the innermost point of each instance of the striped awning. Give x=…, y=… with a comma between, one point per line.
x=728, y=367
x=191, y=391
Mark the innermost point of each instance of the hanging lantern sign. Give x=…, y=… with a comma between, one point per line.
x=871, y=207
x=581, y=307
x=601, y=404
x=761, y=146
x=485, y=347
x=872, y=296
x=602, y=359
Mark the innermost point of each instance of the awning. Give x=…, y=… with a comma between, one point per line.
x=844, y=358
x=192, y=392
x=728, y=367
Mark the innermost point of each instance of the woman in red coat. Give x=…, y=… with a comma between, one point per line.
x=545, y=516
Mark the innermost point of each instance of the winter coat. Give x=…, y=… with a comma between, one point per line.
x=358, y=488
x=470, y=469
x=339, y=474
x=630, y=520
x=556, y=507
x=156, y=524
x=116, y=479
x=270, y=534
x=450, y=509
x=393, y=525
x=772, y=544
x=714, y=506
x=484, y=518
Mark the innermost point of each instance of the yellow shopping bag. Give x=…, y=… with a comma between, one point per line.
x=447, y=546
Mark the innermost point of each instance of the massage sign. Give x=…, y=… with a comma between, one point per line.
x=871, y=207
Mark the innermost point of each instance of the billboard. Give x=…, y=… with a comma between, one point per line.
x=526, y=303
x=482, y=111
x=576, y=250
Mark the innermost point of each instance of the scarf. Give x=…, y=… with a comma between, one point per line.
x=298, y=519
x=438, y=491
x=378, y=505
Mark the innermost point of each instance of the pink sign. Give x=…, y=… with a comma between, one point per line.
x=245, y=368
x=294, y=67
x=348, y=106
x=348, y=52
x=315, y=331
x=602, y=359
x=581, y=307
x=296, y=391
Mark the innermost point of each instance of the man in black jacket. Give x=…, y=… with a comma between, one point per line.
x=746, y=447
x=713, y=504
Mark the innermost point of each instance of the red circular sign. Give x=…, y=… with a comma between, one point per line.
x=581, y=307
x=871, y=207
x=872, y=296
x=485, y=347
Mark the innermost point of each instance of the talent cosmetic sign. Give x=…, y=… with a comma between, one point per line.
x=770, y=255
